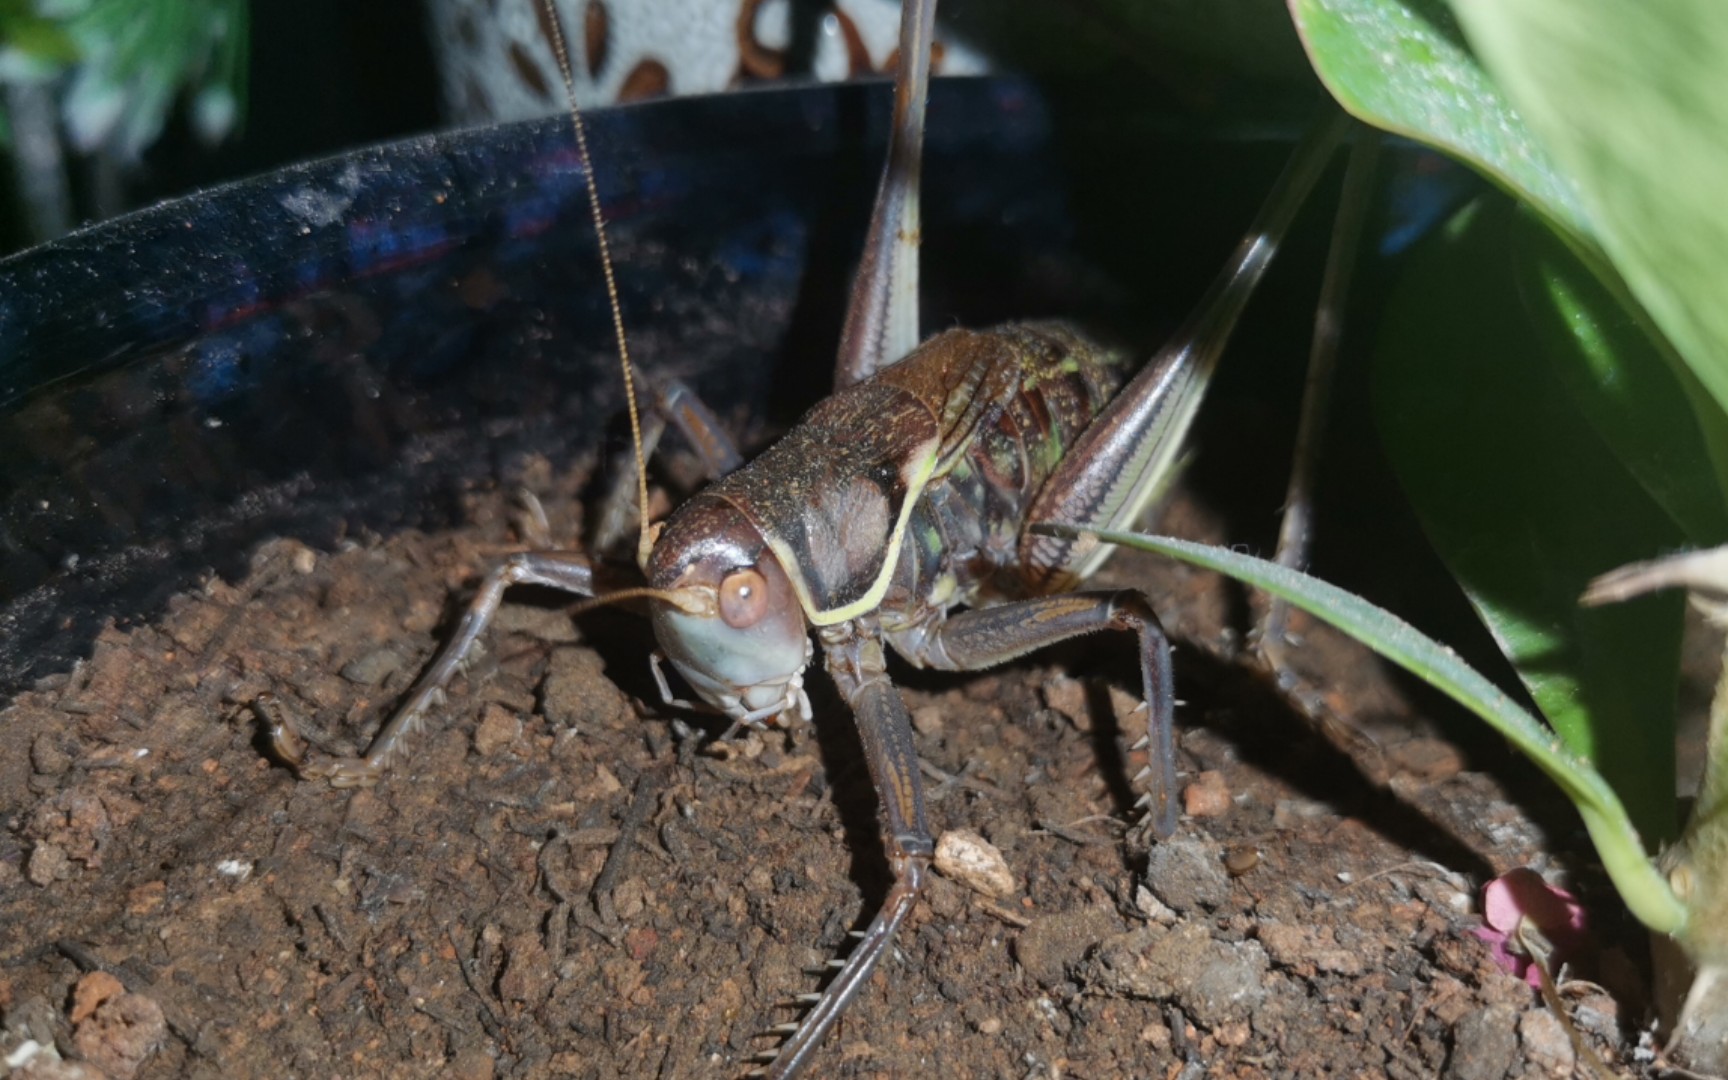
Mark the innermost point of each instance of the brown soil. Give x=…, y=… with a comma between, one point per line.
x=566, y=881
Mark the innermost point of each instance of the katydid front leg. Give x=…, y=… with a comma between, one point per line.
x=562, y=570
x=856, y=663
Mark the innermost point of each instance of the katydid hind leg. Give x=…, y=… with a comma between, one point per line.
x=1124, y=460
x=882, y=314
x=985, y=637
x=1295, y=532
x=561, y=570
x=1271, y=638
x=857, y=664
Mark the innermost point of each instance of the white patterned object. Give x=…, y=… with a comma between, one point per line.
x=497, y=63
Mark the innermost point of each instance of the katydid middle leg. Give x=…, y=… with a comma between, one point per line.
x=985, y=637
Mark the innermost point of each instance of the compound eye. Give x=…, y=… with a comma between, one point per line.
x=743, y=598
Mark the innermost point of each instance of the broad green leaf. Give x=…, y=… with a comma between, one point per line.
x=1645, y=891
x=1402, y=66
x=1623, y=381
x=1632, y=100
x=1526, y=503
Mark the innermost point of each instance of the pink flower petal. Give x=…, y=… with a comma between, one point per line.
x=1520, y=902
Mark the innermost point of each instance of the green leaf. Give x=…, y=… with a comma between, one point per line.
x=1648, y=408
x=1632, y=100
x=1402, y=66
x=1645, y=891
x=1526, y=503
x=42, y=40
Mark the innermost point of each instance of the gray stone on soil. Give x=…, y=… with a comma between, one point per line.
x=1188, y=875
x=376, y=666
x=1214, y=982
x=1484, y=1044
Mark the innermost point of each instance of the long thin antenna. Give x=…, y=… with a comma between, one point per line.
x=644, y=540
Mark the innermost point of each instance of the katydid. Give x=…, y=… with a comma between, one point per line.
x=898, y=514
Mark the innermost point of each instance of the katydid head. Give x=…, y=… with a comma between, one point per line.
x=745, y=647
x=723, y=609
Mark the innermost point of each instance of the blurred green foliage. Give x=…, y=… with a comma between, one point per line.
x=121, y=66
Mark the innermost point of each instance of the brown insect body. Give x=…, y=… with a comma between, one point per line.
x=923, y=474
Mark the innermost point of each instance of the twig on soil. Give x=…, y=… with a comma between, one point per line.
x=489, y=1018
x=333, y=927
x=1582, y=1051
x=1426, y=868
x=635, y=816
x=558, y=923
x=1067, y=832
x=449, y=1020
x=81, y=955
x=949, y=780
x=560, y=835
x=1009, y=917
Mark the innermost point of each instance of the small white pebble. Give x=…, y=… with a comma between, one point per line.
x=1153, y=908
x=1346, y=876
x=26, y=1051
x=1048, y=1010
x=238, y=869
x=975, y=862
x=305, y=561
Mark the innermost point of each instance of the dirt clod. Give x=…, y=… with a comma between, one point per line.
x=927, y=720
x=47, y=756
x=1052, y=946
x=1429, y=759
x=1188, y=875
x=1068, y=697
x=528, y=975
x=1213, y=981
x=123, y=1031
x=576, y=692
x=473, y=1064
x=1208, y=795
x=1545, y=1042
x=48, y=864
x=499, y=727
x=374, y=667
x=92, y=991
x=1484, y=1044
